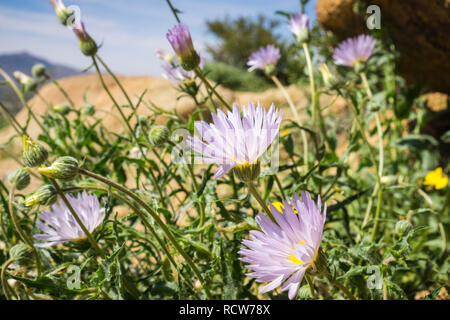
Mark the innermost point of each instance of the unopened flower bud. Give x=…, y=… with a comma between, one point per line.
x=87, y=45
x=63, y=168
x=402, y=227
x=21, y=253
x=88, y=109
x=62, y=12
x=248, y=171
x=62, y=108
x=21, y=178
x=46, y=195
x=158, y=135
x=329, y=79
x=388, y=180
x=181, y=42
x=38, y=70
x=27, y=82
x=33, y=153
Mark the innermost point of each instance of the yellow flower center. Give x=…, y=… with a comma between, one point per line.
x=436, y=178
x=280, y=206
x=293, y=259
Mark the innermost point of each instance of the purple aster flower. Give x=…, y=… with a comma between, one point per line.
x=281, y=253
x=235, y=141
x=298, y=23
x=265, y=56
x=60, y=226
x=354, y=50
x=181, y=42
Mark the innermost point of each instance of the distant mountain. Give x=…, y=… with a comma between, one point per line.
x=24, y=61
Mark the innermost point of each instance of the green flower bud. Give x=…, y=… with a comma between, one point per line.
x=62, y=108
x=88, y=109
x=33, y=153
x=321, y=263
x=46, y=195
x=158, y=135
x=402, y=227
x=87, y=45
x=248, y=171
x=62, y=12
x=21, y=178
x=28, y=83
x=63, y=168
x=303, y=36
x=270, y=70
x=21, y=253
x=190, y=62
x=304, y=292
x=38, y=70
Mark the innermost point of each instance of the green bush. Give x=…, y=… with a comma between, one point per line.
x=235, y=78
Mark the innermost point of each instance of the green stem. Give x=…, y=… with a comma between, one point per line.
x=311, y=286
x=297, y=118
x=208, y=85
x=342, y=288
x=77, y=219
x=381, y=157
x=277, y=181
x=316, y=112
x=22, y=99
x=202, y=206
x=4, y=282
x=19, y=230
x=174, y=11
x=155, y=217
x=255, y=194
x=154, y=181
x=56, y=83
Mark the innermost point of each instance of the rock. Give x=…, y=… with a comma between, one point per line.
x=419, y=30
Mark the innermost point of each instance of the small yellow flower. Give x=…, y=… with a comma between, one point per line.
x=436, y=178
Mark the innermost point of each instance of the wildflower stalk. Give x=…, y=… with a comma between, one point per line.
x=255, y=194
x=19, y=230
x=316, y=113
x=77, y=219
x=154, y=181
x=208, y=85
x=15, y=124
x=174, y=11
x=22, y=99
x=380, y=154
x=277, y=181
x=5, y=284
x=297, y=118
x=64, y=92
x=341, y=287
x=311, y=286
x=155, y=217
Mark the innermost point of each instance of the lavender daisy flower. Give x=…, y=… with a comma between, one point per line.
x=354, y=50
x=60, y=226
x=283, y=252
x=234, y=141
x=264, y=58
x=298, y=23
x=181, y=42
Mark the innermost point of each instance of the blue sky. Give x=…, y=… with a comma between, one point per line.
x=130, y=30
